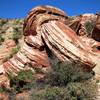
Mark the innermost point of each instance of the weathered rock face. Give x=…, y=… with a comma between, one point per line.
x=4, y=96
x=60, y=39
x=51, y=36
x=6, y=49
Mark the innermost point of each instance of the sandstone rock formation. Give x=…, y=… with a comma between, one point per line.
x=52, y=28
x=51, y=36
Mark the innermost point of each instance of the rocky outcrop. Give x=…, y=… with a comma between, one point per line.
x=60, y=39
x=50, y=36
x=6, y=49
x=4, y=96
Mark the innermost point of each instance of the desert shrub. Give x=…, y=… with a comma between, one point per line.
x=67, y=81
x=64, y=73
x=1, y=39
x=73, y=91
x=56, y=93
x=81, y=91
x=25, y=75
x=15, y=50
x=2, y=90
x=89, y=25
x=51, y=93
x=17, y=34
x=2, y=22
x=23, y=81
x=17, y=21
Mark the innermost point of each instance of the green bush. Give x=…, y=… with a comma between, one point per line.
x=17, y=34
x=25, y=75
x=89, y=25
x=67, y=81
x=2, y=22
x=51, y=93
x=73, y=91
x=23, y=81
x=81, y=91
x=3, y=90
x=64, y=73
x=1, y=39
x=15, y=50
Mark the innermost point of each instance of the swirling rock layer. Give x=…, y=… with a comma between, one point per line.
x=51, y=36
